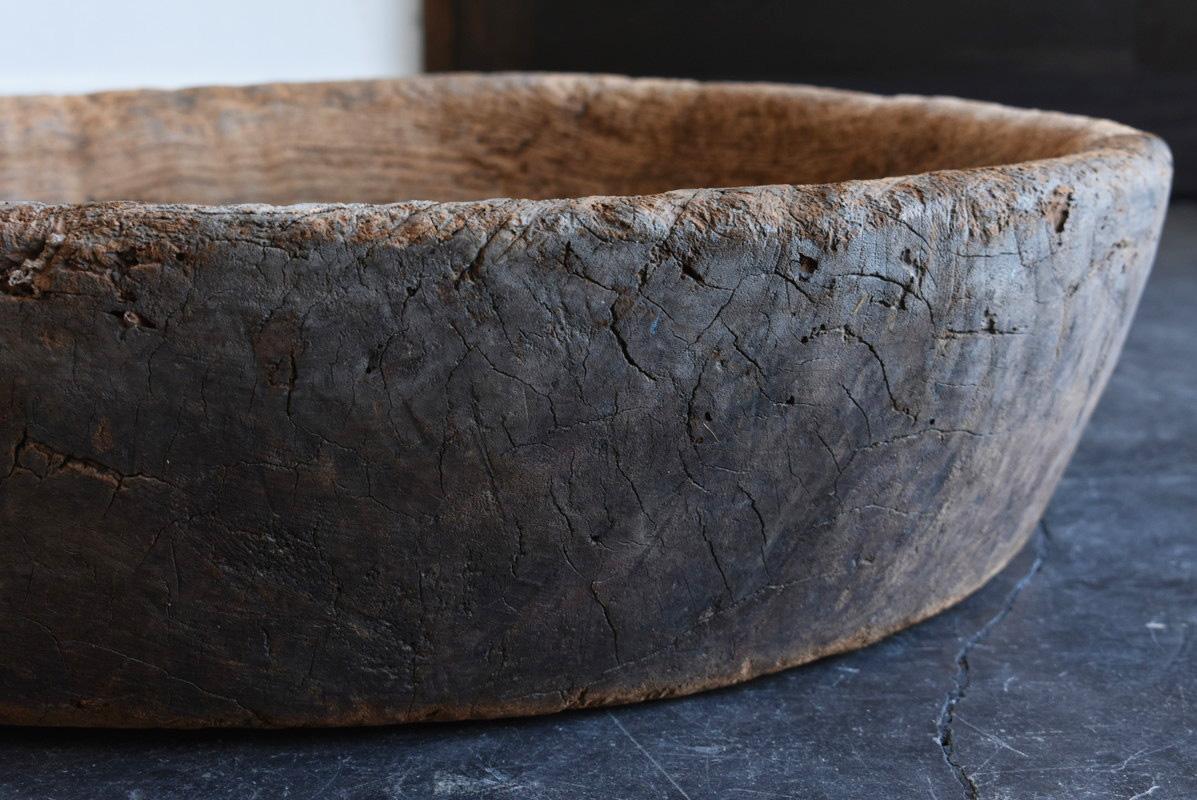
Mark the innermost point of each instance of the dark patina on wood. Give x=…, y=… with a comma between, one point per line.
x=389, y=459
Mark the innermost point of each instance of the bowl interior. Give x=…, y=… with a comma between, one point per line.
x=469, y=137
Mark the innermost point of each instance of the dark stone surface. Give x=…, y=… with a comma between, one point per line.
x=1072, y=674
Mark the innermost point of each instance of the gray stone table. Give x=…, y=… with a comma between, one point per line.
x=1073, y=674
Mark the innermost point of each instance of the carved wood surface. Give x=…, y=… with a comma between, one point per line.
x=269, y=465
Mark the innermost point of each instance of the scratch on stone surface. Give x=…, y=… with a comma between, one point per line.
x=1145, y=751
x=647, y=755
x=492, y=782
x=999, y=741
x=323, y=788
x=961, y=680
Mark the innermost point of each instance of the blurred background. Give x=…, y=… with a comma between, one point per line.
x=56, y=46
x=1130, y=60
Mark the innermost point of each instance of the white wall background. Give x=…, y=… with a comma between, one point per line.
x=56, y=46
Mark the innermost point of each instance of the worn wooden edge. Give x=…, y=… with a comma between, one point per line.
x=1098, y=143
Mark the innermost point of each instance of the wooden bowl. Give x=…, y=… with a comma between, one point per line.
x=743, y=375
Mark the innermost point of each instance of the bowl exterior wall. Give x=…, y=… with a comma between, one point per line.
x=363, y=464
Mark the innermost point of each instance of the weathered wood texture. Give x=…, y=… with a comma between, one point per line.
x=273, y=465
x=1130, y=60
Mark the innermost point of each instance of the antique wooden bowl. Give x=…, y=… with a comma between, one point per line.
x=741, y=376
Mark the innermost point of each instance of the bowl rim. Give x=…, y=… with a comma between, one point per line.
x=1098, y=141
